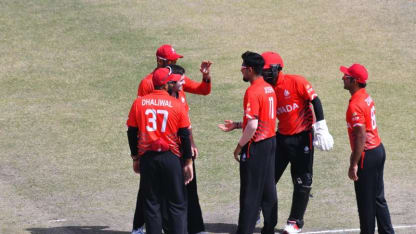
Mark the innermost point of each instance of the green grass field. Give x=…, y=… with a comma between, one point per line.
x=69, y=71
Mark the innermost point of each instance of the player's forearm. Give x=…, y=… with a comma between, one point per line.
x=317, y=108
x=359, y=143
x=191, y=136
x=132, y=137
x=248, y=132
x=200, y=88
x=183, y=134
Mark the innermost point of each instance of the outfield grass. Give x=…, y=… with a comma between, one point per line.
x=69, y=72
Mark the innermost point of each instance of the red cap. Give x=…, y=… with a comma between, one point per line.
x=356, y=71
x=271, y=58
x=175, y=77
x=161, y=76
x=167, y=52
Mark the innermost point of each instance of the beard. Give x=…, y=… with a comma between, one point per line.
x=245, y=79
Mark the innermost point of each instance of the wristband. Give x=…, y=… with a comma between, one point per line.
x=206, y=79
x=135, y=157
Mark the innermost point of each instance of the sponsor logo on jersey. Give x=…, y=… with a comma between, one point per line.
x=287, y=108
x=368, y=100
x=183, y=100
x=309, y=89
x=348, y=125
x=286, y=93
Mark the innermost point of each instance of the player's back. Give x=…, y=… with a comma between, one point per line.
x=159, y=118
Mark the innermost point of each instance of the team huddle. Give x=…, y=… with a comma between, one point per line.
x=163, y=151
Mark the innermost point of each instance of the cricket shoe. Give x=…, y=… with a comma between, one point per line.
x=291, y=227
x=258, y=218
x=140, y=230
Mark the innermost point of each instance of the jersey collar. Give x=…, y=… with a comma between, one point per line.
x=258, y=81
x=160, y=92
x=280, y=78
x=358, y=94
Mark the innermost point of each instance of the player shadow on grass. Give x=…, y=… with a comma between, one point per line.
x=228, y=228
x=75, y=230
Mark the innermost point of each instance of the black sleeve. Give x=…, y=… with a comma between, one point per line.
x=184, y=134
x=317, y=107
x=132, y=136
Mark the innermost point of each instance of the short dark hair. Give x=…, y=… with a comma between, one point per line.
x=253, y=60
x=362, y=85
x=176, y=69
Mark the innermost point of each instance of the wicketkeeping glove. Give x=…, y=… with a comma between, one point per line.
x=321, y=137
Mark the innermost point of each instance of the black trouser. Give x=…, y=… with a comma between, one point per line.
x=162, y=180
x=298, y=150
x=369, y=191
x=195, y=220
x=257, y=187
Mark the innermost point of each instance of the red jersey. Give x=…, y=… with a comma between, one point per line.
x=158, y=117
x=294, y=95
x=190, y=86
x=362, y=112
x=260, y=103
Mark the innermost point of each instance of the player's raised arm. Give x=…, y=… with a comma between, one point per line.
x=201, y=88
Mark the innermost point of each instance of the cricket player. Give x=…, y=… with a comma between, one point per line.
x=299, y=130
x=195, y=220
x=158, y=137
x=167, y=56
x=368, y=155
x=255, y=149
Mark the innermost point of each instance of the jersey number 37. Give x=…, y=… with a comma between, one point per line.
x=152, y=117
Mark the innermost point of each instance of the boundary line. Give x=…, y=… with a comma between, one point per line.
x=355, y=230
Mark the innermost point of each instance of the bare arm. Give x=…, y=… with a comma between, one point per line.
x=359, y=143
x=245, y=138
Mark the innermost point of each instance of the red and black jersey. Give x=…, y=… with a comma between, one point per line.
x=158, y=118
x=362, y=112
x=260, y=103
x=294, y=95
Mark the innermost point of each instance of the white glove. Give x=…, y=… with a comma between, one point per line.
x=321, y=137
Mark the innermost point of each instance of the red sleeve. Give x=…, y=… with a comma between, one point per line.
x=357, y=116
x=145, y=87
x=252, y=107
x=201, y=88
x=184, y=121
x=132, y=120
x=305, y=89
